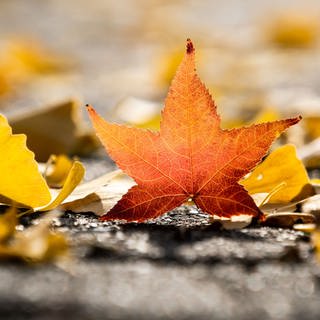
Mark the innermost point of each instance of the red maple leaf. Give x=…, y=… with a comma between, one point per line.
x=190, y=158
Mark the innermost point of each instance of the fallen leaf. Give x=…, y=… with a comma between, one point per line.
x=98, y=195
x=37, y=243
x=57, y=169
x=24, y=57
x=21, y=180
x=191, y=157
x=281, y=166
x=58, y=129
x=8, y=222
x=294, y=30
x=312, y=205
x=20, y=177
x=73, y=179
x=262, y=198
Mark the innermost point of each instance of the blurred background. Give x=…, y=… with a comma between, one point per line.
x=260, y=59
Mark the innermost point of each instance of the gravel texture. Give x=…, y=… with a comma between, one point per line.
x=176, y=267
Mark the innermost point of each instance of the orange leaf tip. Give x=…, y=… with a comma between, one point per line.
x=90, y=109
x=190, y=47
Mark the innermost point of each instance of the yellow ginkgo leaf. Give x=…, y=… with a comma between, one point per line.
x=74, y=177
x=57, y=169
x=20, y=180
x=281, y=166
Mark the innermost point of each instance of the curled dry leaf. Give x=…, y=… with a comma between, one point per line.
x=98, y=195
x=73, y=179
x=190, y=158
x=57, y=169
x=57, y=129
x=312, y=205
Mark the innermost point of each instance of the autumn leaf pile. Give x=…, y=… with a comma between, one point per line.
x=225, y=173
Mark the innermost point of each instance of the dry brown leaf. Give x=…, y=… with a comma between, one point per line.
x=57, y=129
